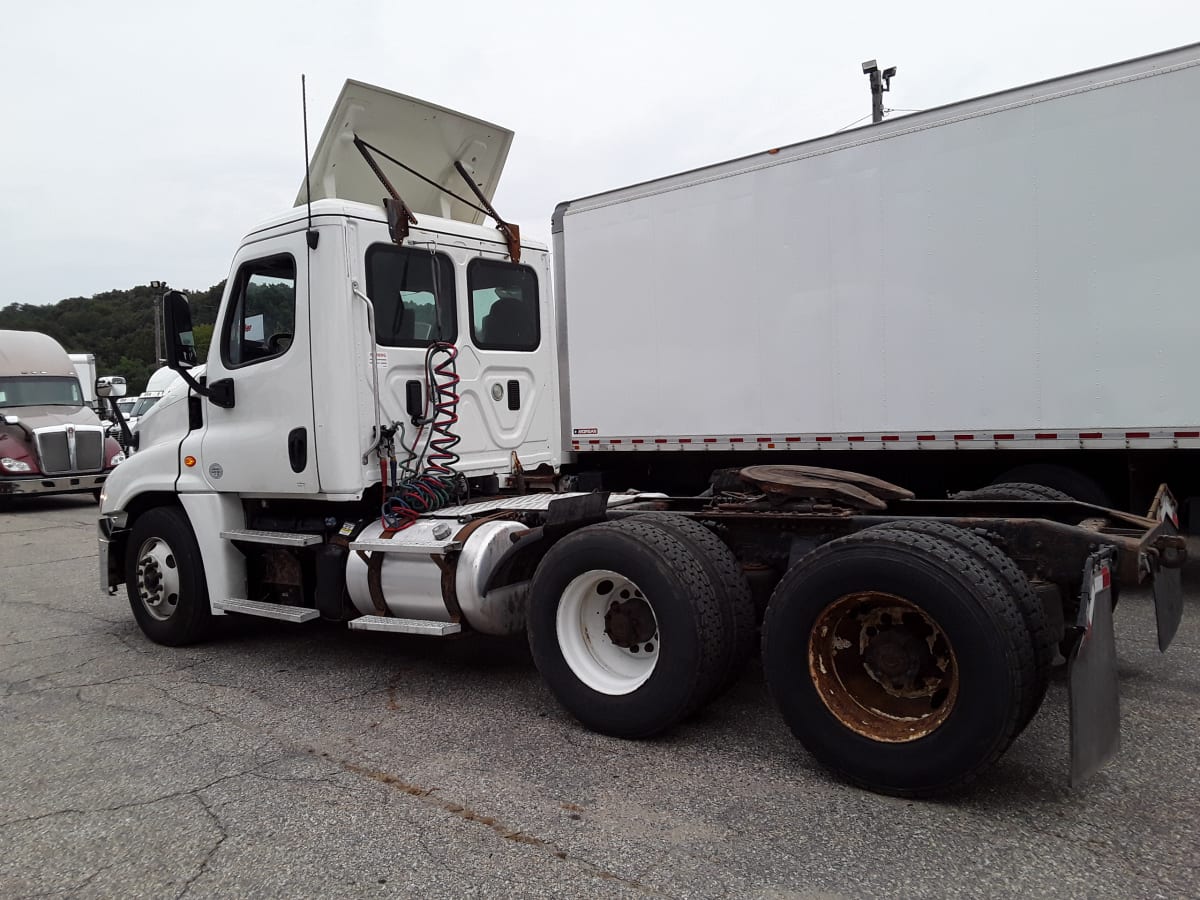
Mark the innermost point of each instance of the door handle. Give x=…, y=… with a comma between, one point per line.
x=414, y=400
x=297, y=444
x=514, y=394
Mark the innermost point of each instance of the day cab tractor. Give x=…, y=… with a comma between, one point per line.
x=381, y=437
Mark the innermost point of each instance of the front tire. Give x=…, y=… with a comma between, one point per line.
x=626, y=629
x=899, y=660
x=164, y=577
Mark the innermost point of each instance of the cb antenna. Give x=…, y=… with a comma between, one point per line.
x=311, y=235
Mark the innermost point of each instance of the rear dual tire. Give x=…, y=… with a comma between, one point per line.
x=627, y=629
x=1043, y=638
x=1014, y=490
x=1074, y=484
x=725, y=574
x=899, y=659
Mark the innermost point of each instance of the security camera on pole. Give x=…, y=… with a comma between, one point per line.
x=880, y=82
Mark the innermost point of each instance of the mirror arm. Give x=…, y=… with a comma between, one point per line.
x=191, y=381
x=219, y=392
x=126, y=434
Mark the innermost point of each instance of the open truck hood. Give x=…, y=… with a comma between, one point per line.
x=425, y=137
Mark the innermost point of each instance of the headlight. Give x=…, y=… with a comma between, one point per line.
x=15, y=465
x=117, y=459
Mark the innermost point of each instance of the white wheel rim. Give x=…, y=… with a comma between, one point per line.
x=607, y=632
x=158, y=578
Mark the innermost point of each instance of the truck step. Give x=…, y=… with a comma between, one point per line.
x=406, y=549
x=267, y=610
x=429, y=627
x=278, y=538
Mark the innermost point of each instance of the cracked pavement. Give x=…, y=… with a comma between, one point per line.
x=309, y=761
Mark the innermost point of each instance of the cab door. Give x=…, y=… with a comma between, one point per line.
x=262, y=443
x=508, y=402
x=413, y=293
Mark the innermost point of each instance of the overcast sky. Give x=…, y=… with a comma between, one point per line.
x=141, y=140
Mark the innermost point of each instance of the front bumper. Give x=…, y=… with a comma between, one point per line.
x=29, y=485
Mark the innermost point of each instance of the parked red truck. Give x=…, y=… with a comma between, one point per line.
x=51, y=442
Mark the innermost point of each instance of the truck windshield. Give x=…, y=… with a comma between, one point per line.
x=143, y=405
x=40, y=390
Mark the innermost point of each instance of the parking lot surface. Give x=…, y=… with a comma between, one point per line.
x=309, y=761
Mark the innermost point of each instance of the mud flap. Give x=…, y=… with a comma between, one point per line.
x=1092, y=673
x=1168, y=573
x=1168, y=603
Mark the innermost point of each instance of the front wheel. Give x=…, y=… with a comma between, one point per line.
x=164, y=577
x=626, y=628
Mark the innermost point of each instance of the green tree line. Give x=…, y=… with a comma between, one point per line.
x=116, y=326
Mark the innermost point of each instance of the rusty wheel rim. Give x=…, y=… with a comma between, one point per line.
x=883, y=666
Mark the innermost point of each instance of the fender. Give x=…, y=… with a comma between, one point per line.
x=152, y=470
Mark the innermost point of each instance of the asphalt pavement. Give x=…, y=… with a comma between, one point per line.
x=310, y=761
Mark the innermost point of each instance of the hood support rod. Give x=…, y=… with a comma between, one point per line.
x=512, y=234
x=398, y=213
x=400, y=216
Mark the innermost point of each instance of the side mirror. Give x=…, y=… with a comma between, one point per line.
x=177, y=321
x=12, y=420
x=110, y=386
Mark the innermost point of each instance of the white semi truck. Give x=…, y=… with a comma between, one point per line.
x=402, y=427
x=156, y=387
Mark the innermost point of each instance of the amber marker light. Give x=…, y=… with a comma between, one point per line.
x=189, y=461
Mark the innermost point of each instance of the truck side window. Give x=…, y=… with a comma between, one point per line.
x=402, y=284
x=262, y=317
x=504, y=305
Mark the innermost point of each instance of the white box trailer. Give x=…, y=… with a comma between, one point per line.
x=1013, y=273
x=85, y=369
x=378, y=439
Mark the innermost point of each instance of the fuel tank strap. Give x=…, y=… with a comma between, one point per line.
x=374, y=563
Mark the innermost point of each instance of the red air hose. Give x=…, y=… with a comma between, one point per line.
x=438, y=485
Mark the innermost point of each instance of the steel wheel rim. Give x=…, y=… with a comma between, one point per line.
x=157, y=580
x=607, y=632
x=883, y=667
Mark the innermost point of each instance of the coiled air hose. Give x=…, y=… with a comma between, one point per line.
x=437, y=485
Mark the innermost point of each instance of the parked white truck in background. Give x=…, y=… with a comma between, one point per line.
x=85, y=370
x=156, y=386
x=400, y=426
x=51, y=441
